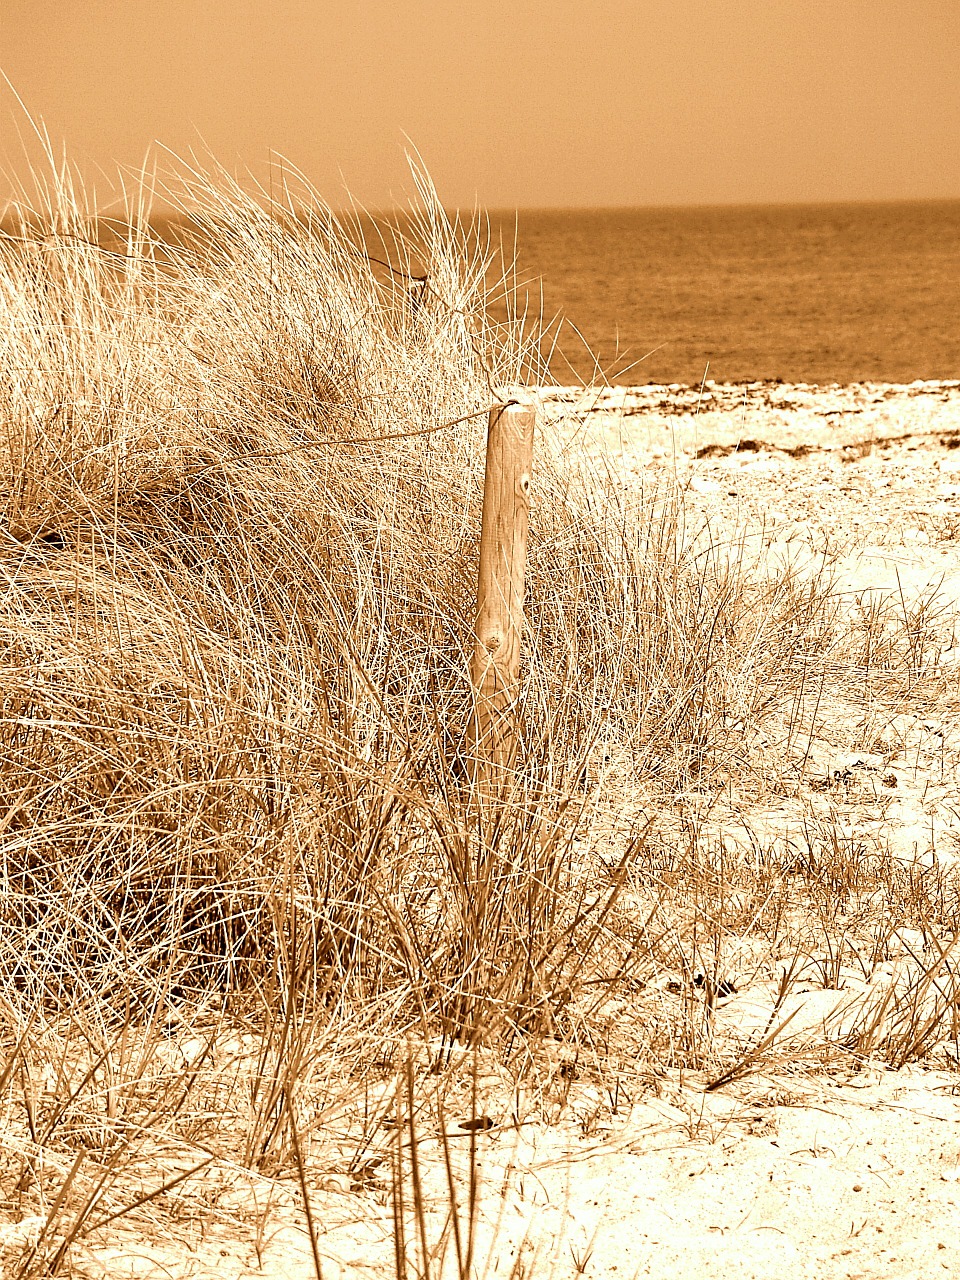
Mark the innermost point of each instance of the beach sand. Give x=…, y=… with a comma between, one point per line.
x=810, y=1164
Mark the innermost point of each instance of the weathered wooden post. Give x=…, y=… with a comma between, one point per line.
x=495, y=665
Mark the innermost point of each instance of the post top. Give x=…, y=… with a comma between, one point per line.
x=528, y=397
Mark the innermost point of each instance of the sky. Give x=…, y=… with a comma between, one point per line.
x=511, y=103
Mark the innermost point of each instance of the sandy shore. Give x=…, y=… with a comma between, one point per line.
x=868, y=474
x=793, y=1171
x=811, y=1165
x=861, y=461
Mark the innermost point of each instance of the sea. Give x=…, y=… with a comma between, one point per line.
x=810, y=293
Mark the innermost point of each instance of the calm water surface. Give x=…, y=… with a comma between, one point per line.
x=806, y=293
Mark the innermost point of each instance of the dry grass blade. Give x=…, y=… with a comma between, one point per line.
x=304, y=1188
x=34, y=1258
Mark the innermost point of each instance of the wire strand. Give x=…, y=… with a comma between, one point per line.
x=354, y=440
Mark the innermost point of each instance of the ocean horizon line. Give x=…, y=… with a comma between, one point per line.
x=701, y=206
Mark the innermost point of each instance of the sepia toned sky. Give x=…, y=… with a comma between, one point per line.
x=512, y=103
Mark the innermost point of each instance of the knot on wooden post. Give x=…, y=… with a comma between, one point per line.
x=495, y=664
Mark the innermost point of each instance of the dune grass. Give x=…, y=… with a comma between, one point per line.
x=241, y=867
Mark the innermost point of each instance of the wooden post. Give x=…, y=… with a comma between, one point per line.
x=495, y=665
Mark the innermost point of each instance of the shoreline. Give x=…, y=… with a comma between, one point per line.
x=785, y=415
x=844, y=466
